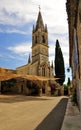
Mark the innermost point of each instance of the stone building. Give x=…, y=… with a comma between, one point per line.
x=39, y=63
x=74, y=24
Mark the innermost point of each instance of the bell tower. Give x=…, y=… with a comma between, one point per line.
x=40, y=41
x=40, y=64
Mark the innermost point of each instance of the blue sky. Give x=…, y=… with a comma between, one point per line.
x=16, y=22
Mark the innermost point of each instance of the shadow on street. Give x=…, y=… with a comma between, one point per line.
x=54, y=119
x=19, y=98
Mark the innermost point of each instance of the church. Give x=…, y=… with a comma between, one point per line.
x=39, y=63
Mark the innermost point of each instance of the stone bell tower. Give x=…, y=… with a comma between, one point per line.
x=39, y=65
x=40, y=56
x=40, y=41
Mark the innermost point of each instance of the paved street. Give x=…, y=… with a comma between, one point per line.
x=29, y=113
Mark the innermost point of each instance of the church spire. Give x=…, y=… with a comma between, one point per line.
x=29, y=60
x=39, y=23
x=52, y=64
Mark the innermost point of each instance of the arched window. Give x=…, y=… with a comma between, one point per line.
x=43, y=71
x=36, y=39
x=43, y=39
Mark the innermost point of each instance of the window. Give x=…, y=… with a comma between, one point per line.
x=36, y=39
x=43, y=71
x=43, y=39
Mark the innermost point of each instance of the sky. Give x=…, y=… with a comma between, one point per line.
x=16, y=22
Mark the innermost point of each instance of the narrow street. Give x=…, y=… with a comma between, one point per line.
x=54, y=119
x=31, y=113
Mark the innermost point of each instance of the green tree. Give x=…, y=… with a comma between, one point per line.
x=59, y=64
x=69, y=82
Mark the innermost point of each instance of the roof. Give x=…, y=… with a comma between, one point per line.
x=6, y=75
x=39, y=23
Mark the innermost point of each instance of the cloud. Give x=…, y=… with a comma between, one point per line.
x=23, y=48
x=58, y=29
x=63, y=41
x=15, y=12
x=51, y=58
x=21, y=12
x=21, y=58
x=13, y=31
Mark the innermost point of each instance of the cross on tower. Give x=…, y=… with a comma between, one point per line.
x=39, y=8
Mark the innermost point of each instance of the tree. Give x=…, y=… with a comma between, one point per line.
x=69, y=82
x=59, y=64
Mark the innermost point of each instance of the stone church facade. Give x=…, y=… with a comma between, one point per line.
x=39, y=63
